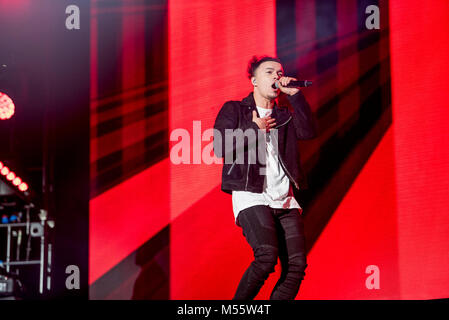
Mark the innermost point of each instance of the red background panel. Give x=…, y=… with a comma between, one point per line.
x=394, y=215
x=420, y=65
x=361, y=232
x=124, y=217
x=210, y=44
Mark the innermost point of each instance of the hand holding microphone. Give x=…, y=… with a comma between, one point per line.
x=290, y=86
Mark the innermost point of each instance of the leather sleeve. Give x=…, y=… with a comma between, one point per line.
x=303, y=119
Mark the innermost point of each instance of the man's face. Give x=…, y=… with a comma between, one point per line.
x=266, y=74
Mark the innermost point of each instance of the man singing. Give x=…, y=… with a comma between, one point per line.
x=263, y=202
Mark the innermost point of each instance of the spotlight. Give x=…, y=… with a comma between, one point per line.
x=23, y=187
x=17, y=181
x=12, y=178
x=6, y=107
x=4, y=171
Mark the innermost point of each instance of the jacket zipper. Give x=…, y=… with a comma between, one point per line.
x=247, y=174
x=288, y=173
x=230, y=169
x=282, y=163
x=283, y=123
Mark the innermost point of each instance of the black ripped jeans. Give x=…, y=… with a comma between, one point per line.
x=273, y=233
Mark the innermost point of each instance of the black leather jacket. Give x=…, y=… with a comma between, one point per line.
x=291, y=127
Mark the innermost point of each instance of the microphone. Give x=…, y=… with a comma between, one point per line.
x=294, y=84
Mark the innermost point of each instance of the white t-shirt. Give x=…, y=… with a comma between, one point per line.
x=277, y=191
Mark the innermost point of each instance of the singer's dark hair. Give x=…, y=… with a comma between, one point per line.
x=255, y=62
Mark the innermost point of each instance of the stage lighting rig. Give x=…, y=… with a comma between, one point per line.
x=14, y=181
x=25, y=237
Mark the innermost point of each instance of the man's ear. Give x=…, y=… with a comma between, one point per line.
x=253, y=81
